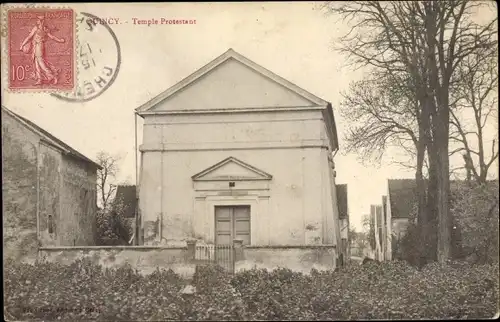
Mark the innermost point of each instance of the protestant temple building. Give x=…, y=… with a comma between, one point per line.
x=235, y=152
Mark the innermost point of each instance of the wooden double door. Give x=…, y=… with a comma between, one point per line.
x=232, y=222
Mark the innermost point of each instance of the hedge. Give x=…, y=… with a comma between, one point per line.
x=392, y=290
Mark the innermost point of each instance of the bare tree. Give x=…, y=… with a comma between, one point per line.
x=381, y=115
x=105, y=177
x=476, y=96
x=426, y=40
x=384, y=112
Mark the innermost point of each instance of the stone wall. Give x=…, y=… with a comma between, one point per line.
x=143, y=258
x=50, y=164
x=67, y=200
x=19, y=190
x=182, y=259
x=78, y=203
x=297, y=258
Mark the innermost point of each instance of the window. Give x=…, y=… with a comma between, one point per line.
x=50, y=224
x=83, y=196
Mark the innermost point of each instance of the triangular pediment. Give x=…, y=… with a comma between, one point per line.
x=229, y=82
x=231, y=169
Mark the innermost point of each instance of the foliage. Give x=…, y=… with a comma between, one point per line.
x=112, y=228
x=216, y=299
x=359, y=240
x=407, y=246
x=475, y=211
x=389, y=290
x=475, y=208
x=84, y=290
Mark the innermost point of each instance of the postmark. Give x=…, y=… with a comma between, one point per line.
x=41, y=49
x=98, y=56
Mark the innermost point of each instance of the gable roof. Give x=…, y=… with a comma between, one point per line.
x=342, y=201
x=229, y=54
x=403, y=195
x=126, y=194
x=49, y=138
x=260, y=175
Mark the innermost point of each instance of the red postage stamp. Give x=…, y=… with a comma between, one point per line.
x=41, y=49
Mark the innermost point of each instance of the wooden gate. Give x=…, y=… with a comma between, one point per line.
x=222, y=255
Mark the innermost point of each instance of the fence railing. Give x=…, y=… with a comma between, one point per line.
x=222, y=255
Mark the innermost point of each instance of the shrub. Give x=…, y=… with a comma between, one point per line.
x=84, y=290
x=389, y=290
x=475, y=209
x=278, y=295
x=216, y=299
x=112, y=228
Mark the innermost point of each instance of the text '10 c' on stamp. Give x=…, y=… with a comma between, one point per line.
x=41, y=49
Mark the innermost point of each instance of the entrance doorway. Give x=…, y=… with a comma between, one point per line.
x=232, y=222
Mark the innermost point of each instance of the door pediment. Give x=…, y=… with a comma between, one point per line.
x=231, y=169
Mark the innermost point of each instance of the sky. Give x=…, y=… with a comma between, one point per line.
x=294, y=40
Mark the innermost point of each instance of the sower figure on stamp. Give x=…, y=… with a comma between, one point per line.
x=44, y=70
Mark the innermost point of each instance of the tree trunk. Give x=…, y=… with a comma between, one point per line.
x=443, y=184
x=422, y=218
x=438, y=90
x=422, y=211
x=426, y=214
x=432, y=203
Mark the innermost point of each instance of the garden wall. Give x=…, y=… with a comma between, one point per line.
x=144, y=259
x=182, y=260
x=297, y=258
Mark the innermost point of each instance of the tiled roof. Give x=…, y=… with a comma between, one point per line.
x=50, y=138
x=342, y=201
x=403, y=195
x=127, y=195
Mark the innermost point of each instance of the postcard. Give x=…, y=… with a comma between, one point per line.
x=250, y=160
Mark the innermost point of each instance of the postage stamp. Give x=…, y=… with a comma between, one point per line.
x=41, y=49
x=98, y=58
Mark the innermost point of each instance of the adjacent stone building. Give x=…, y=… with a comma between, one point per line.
x=236, y=152
x=48, y=190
